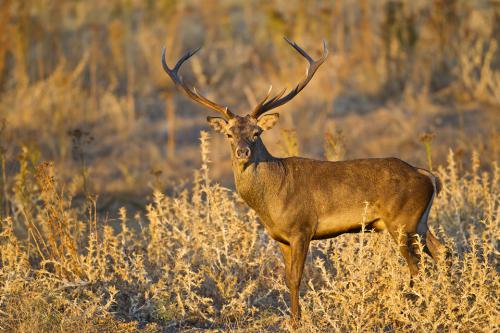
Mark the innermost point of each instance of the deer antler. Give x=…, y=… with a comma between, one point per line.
x=270, y=103
x=193, y=94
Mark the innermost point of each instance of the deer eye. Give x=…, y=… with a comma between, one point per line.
x=229, y=136
x=255, y=135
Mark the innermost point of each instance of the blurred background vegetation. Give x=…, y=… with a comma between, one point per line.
x=81, y=84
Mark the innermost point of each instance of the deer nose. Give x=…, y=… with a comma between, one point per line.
x=243, y=152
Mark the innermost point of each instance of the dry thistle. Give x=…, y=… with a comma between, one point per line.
x=333, y=146
x=289, y=143
x=80, y=140
x=157, y=183
x=426, y=139
x=205, y=152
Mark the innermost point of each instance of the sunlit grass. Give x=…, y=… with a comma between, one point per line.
x=200, y=259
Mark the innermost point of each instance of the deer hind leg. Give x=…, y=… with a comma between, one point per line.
x=432, y=246
x=403, y=230
x=407, y=231
x=436, y=248
x=406, y=245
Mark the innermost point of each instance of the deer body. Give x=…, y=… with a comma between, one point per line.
x=325, y=199
x=299, y=200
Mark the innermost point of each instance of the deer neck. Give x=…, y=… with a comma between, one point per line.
x=254, y=178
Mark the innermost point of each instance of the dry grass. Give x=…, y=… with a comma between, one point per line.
x=200, y=260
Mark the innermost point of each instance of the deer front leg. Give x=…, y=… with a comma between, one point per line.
x=299, y=247
x=286, y=251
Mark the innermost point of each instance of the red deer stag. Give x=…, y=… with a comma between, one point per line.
x=299, y=199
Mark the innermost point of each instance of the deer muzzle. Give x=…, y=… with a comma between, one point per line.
x=243, y=153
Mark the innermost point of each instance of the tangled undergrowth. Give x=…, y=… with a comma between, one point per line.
x=199, y=260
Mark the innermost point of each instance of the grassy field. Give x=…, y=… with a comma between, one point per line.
x=200, y=260
x=114, y=218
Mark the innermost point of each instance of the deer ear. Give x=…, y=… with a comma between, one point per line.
x=267, y=121
x=218, y=124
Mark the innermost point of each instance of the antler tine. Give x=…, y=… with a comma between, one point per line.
x=266, y=99
x=267, y=104
x=278, y=95
x=299, y=49
x=193, y=94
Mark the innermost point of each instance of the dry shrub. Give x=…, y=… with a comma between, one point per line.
x=200, y=260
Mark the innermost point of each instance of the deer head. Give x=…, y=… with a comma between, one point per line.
x=243, y=132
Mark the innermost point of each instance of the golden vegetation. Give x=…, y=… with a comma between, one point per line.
x=89, y=123
x=200, y=260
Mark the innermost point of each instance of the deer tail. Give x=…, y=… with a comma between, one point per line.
x=436, y=182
